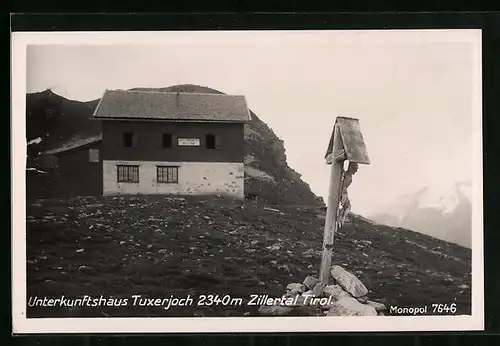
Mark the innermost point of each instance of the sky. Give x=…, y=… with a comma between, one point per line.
x=412, y=92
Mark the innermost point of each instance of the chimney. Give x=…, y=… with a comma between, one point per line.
x=177, y=99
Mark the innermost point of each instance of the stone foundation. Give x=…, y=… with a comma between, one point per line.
x=194, y=178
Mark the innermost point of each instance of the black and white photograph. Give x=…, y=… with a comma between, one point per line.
x=247, y=181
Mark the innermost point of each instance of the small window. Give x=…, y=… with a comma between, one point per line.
x=167, y=140
x=128, y=174
x=93, y=155
x=128, y=139
x=167, y=174
x=210, y=141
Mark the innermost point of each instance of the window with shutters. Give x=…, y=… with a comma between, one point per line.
x=128, y=174
x=167, y=174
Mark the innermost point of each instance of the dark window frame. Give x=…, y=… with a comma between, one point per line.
x=126, y=141
x=167, y=138
x=167, y=174
x=211, y=139
x=127, y=173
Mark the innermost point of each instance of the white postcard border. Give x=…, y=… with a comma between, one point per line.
x=22, y=325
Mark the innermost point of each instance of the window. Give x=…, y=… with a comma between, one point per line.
x=128, y=139
x=93, y=155
x=167, y=140
x=167, y=174
x=210, y=142
x=128, y=174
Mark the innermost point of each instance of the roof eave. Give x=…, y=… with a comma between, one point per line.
x=172, y=120
x=66, y=150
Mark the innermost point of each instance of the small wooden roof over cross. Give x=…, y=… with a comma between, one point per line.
x=352, y=140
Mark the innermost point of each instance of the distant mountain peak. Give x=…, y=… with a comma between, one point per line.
x=445, y=197
x=440, y=210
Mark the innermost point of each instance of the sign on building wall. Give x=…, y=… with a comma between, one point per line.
x=188, y=142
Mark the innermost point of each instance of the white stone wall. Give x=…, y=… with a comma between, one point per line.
x=195, y=178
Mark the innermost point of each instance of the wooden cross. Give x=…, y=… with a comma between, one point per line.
x=346, y=143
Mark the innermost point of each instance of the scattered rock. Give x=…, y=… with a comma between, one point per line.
x=285, y=268
x=310, y=282
x=94, y=205
x=379, y=307
x=272, y=209
x=84, y=269
x=349, y=282
x=274, y=247
x=350, y=307
x=448, y=280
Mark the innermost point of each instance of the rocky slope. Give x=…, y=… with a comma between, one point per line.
x=157, y=246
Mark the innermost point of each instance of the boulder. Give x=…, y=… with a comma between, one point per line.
x=317, y=291
x=336, y=292
x=310, y=282
x=349, y=282
x=295, y=288
x=350, y=307
x=377, y=306
x=363, y=299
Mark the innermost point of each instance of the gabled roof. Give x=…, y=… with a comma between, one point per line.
x=122, y=104
x=351, y=139
x=72, y=144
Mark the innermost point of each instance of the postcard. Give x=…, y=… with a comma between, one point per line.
x=247, y=181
